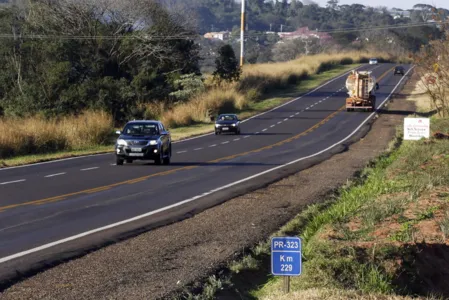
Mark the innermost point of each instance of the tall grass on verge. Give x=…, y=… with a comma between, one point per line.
x=37, y=135
x=256, y=80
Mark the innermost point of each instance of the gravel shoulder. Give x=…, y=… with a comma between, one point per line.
x=160, y=262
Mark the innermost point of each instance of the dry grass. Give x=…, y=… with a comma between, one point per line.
x=37, y=135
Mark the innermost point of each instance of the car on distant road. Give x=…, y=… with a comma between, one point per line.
x=227, y=123
x=399, y=70
x=373, y=61
x=143, y=140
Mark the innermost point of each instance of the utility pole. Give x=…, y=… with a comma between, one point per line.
x=242, y=34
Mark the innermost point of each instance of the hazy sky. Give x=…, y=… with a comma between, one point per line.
x=404, y=4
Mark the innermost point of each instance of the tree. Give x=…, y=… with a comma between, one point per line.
x=189, y=85
x=226, y=65
x=292, y=49
x=433, y=68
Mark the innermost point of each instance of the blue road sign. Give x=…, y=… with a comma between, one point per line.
x=286, y=256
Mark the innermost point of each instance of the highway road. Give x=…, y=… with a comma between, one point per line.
x=51, y=210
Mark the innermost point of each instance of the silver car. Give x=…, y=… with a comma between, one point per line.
x=143, y=140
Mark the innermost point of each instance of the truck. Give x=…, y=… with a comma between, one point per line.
x=361, y=87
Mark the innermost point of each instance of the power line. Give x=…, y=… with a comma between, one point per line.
x=194, y=36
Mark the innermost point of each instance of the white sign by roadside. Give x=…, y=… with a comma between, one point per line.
x=416, y=128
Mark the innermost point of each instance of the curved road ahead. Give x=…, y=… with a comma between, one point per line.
x=50, y=209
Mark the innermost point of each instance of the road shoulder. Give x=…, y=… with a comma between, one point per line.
x=161, y=262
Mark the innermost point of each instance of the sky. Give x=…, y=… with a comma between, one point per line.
x=403, y=4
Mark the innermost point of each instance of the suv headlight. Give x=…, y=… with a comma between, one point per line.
x=153, y=142
x=216, y=125
x=234, y=124
x=122, y=143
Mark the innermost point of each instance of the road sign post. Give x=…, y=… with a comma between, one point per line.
x=286, y=258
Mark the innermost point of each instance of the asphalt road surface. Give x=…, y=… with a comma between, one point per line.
x=45, y=206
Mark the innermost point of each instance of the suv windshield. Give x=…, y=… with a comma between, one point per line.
x=227, y=118
x=141, y=129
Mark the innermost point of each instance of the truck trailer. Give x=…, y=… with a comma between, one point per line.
x=361, y=87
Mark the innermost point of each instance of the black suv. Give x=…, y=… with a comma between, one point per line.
x=143, y=140
x=399, y=70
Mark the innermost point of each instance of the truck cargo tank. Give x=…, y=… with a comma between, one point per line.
x=353, y=80
x=361, y=86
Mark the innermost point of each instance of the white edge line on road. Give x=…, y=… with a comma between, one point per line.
x=53, y=175
x=88, y=169
x=74, y=237
x=195, y=137
x=10, y=182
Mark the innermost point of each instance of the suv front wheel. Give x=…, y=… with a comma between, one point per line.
x=168, y=157
x=119, y=161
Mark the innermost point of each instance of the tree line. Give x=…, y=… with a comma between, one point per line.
x=283, y=15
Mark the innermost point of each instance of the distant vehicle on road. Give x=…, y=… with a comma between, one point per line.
x=227, y=123
x=399, y=70
x=373, y=61
x=143, y=140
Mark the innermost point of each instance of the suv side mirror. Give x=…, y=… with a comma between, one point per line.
x=377, y=86
x=118, y=132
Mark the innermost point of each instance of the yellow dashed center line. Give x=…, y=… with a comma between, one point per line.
x=143, y=178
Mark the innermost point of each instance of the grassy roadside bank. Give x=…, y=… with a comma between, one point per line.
x=383, y=236
x=45, y=135
x=388, y=236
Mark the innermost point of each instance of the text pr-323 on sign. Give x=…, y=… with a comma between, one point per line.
x=286, y=256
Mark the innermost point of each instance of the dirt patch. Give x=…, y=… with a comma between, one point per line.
x=157, y=263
